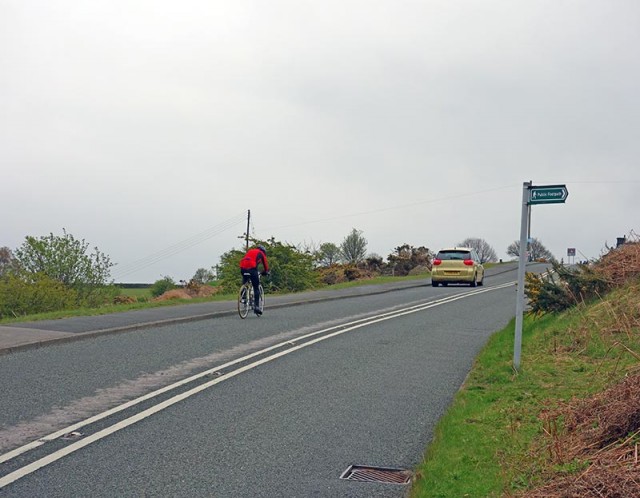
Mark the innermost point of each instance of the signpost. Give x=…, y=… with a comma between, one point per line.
x=540, y=194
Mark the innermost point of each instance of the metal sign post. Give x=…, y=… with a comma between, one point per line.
x=544, y=194
x=524, y=228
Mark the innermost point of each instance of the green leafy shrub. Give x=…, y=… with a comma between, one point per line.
x=36, y=294
x=229, y=270
x=97, y=296
x=291, y=269
x=67, y=260
x=161, y=286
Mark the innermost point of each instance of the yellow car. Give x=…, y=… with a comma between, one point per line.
x=457, y=265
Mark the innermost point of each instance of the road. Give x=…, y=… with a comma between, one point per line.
x=280, y=405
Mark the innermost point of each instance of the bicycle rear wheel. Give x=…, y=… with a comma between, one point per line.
x=244, y=301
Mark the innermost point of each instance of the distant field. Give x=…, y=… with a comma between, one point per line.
x=138, y=292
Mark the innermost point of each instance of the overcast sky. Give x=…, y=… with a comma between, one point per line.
x=150, y=127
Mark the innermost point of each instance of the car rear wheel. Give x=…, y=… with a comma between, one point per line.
x=434, y=284
x=474, y=282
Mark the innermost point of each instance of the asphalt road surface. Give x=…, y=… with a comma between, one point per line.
x=280, y=405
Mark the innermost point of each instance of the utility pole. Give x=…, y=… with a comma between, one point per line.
x=247, y=233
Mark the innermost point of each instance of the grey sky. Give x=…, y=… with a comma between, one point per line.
x=148, y=126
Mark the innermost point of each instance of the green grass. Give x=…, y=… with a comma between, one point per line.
x=138, y=292
x=482, y=447
x=112, y=308
x=373, y=281
x=145, y=300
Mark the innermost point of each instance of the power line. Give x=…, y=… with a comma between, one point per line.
x=152, y=259
x=392, y=208
x=431, y=201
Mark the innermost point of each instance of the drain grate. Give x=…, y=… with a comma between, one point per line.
x=364, y=473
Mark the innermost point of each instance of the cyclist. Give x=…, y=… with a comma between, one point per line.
x=249, y=264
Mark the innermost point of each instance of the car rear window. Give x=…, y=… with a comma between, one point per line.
x=449, y=255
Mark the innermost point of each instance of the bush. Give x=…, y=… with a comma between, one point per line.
x=420, y=270
x=546, y=295
x=124, y=300
x=38, y=294
x=67, y=260
x=406, y=258
x=291, y=270
x=161, y=286
x=352, y=273
x=331, y=275
x=97, y=296
x=567, y=286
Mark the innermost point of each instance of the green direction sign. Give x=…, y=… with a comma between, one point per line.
x=548, y=194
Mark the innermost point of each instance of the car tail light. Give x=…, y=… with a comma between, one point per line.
x=436, y=262
x=468, y=262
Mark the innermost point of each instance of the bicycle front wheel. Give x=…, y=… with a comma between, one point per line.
x=244, y=301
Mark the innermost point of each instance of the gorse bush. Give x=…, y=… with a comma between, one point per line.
x=566, y=287
x=406, y=258
x=39, y=294
x=546, y=294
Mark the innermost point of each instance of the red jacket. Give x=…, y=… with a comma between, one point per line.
x=252, y=259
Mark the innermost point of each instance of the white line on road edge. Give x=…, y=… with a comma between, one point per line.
x=43, y=462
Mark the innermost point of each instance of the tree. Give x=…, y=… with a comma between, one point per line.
x=65, y=259
x=354, y=247
x=537, y=251
x=485, y=251
x=328, y=254
x=203, y=276
x=7, y=261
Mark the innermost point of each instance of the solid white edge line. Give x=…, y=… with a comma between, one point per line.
x=43, y=462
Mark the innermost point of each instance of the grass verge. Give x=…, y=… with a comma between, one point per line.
x=144, y=300
x=494, y=440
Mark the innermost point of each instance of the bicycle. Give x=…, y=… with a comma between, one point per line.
x=246, y=298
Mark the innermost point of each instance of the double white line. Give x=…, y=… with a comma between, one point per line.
x=290, y=345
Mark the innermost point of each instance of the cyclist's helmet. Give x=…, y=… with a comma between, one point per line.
x=264, y=251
